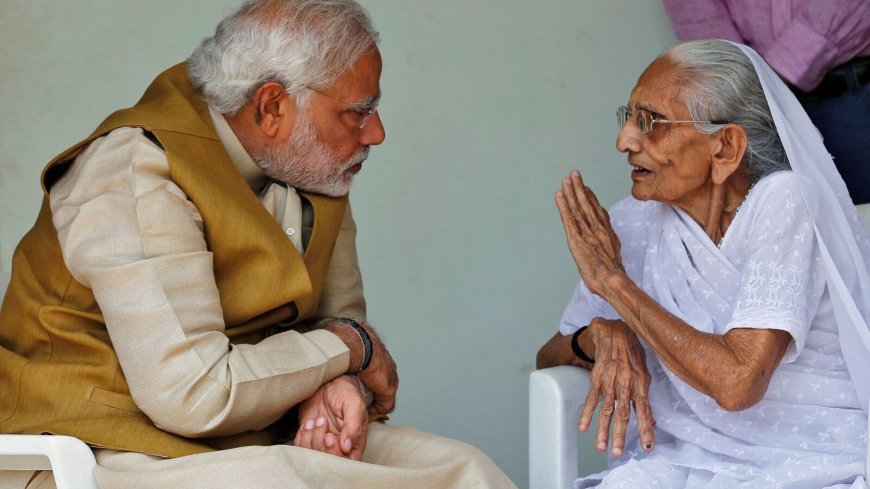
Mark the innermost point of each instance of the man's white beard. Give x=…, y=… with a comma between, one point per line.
x=305, y=163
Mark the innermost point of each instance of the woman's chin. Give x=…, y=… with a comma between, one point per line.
x=640, y=193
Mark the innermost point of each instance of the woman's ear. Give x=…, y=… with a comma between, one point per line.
x=728, y=150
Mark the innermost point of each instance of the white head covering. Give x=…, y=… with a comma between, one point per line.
x=843, y=241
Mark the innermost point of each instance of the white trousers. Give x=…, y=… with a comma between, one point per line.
x=395, y=457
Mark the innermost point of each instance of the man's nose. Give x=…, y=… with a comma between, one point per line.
x=373, y=132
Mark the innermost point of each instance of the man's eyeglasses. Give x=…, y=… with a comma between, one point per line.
x=644, y=119
x=363, y=110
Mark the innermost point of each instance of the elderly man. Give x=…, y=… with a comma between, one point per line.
x=189, y=300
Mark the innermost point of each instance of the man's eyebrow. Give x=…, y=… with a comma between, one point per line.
x=367, y=103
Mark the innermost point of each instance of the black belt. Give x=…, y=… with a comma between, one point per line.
x=838, y=81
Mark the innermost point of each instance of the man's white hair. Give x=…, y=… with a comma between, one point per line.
x=298, y=43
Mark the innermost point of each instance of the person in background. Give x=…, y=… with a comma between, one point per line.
x=189, y=301
x=820, y=48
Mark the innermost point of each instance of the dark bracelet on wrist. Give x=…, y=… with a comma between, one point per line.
x=363, y=336
x=575, y=345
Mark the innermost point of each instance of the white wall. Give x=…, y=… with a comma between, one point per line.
x=487, y=104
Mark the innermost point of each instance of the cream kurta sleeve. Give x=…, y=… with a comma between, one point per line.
x=132, y=236
x=343, y=291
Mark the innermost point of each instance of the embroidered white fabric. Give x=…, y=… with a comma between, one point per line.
x=792, y=259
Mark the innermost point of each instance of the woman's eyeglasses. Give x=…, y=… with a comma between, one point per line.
x=644, y=119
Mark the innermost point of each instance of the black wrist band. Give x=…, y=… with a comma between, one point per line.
x=575, y=345
x=363, y=336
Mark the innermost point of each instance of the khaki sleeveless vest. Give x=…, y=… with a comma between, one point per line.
x=58, y=371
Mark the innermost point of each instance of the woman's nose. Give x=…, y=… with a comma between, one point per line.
x=628, y=139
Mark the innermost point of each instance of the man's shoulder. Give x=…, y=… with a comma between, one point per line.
x=122, y=144
x=113, y=157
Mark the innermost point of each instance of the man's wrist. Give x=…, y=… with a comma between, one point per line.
x=363, y=390
x=350, y=340
x=364, y=338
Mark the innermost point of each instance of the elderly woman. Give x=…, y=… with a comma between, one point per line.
x=727, y=299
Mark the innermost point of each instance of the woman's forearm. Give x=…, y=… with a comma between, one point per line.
x=557, y=351
x=734, y=368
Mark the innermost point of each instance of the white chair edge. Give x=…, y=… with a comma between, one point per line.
x=555, y=395
x=71, y=460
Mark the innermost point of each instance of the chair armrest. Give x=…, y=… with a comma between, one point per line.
x=71, y=460
x=555, y=396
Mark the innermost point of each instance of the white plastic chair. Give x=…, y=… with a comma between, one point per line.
x=555, y=395
x=70, y=459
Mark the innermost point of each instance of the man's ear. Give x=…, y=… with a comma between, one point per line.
x=273, y=108
x=728, y=150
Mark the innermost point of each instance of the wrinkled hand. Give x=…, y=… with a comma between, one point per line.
x=381, y=376
x=619, y=379
x=591, y=240
x=334, y=419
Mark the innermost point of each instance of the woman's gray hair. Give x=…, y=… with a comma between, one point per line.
x=721, y=86
x=298, y=43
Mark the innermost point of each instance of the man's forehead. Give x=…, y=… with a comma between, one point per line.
x=362, y=81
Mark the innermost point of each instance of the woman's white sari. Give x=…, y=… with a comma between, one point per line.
x=792, y=259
